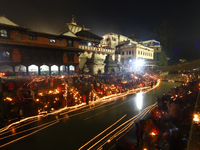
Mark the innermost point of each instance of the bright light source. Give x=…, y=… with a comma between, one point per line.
x=89, y=44
x=130, y=60
x=196, y=118
x=139, y=62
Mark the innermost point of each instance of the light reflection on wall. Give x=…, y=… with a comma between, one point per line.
x=139, y=100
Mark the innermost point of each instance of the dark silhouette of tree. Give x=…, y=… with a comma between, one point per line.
x=165, y=33
x=161, y=59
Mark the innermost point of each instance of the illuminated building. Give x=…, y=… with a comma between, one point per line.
x=129, y=52
x=94, y=51
x=29, y=52
x=114, y=40
x=153, y=44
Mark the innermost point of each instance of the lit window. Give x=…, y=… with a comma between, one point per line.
x=3, y=33
x=31, y=37
x=89, y=44
x=6, y=54
x=52, y=40
x=70, y=43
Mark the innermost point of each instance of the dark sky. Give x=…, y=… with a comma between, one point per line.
x=123, y=17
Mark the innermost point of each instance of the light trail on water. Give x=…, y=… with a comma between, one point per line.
x=102, y=101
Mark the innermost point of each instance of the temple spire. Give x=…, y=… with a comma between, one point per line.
x=73, y=20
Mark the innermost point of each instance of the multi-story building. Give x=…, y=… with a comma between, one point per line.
x=114, y=40
x=134, y=55
x=29, y=52
x=131, y=53
x=94, y=52
x=153, y=44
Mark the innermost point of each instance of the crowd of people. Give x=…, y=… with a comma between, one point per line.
x=169, y=124
x=159, y=130
x=45, y=94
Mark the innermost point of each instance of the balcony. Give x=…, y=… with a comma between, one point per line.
x=96, y=49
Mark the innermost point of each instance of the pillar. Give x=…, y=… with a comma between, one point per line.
x=58, y=70
x=13, y=70
x=27, y=72
x=49, y=70
x=68, y=69
x=65, y=71
x=39, y=70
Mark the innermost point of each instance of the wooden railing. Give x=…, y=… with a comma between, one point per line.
x=96, y=49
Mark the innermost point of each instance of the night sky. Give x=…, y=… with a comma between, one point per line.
x=127, y=17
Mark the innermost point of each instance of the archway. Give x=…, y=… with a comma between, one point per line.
x=21, y=69
x=6, y=68
x=54, y=70
x=33, y=70
x=63, y=69
x=44, y=70
x=71, y=69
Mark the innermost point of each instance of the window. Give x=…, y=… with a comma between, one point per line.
x=129, y=52
x=3, y=33
x=70, y=57
x=70, y=43
x=139, y=52
x=32, y=37
x=114, y=39
x=122, y=53
x=52, y=40
x=108, y=39
x=6, y=54
x=132, y=52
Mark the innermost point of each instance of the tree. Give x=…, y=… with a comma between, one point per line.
x=165, y=33
x=161, y=59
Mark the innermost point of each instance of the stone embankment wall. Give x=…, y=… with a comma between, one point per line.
x=177, y=77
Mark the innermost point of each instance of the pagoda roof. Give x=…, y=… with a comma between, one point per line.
x=88, y=34
x=6, y=21
x=69, y=33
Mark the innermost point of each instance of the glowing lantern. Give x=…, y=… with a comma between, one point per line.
x=196, y=118
x=152, y=133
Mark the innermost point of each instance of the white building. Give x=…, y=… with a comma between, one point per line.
x=129, y=52
x=133, y=55
x=114, y=40
x=153, y=44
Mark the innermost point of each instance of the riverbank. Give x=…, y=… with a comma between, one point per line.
x=168, y=126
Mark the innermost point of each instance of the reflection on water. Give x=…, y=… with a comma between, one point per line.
x=13, y=130
x=139, y=100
